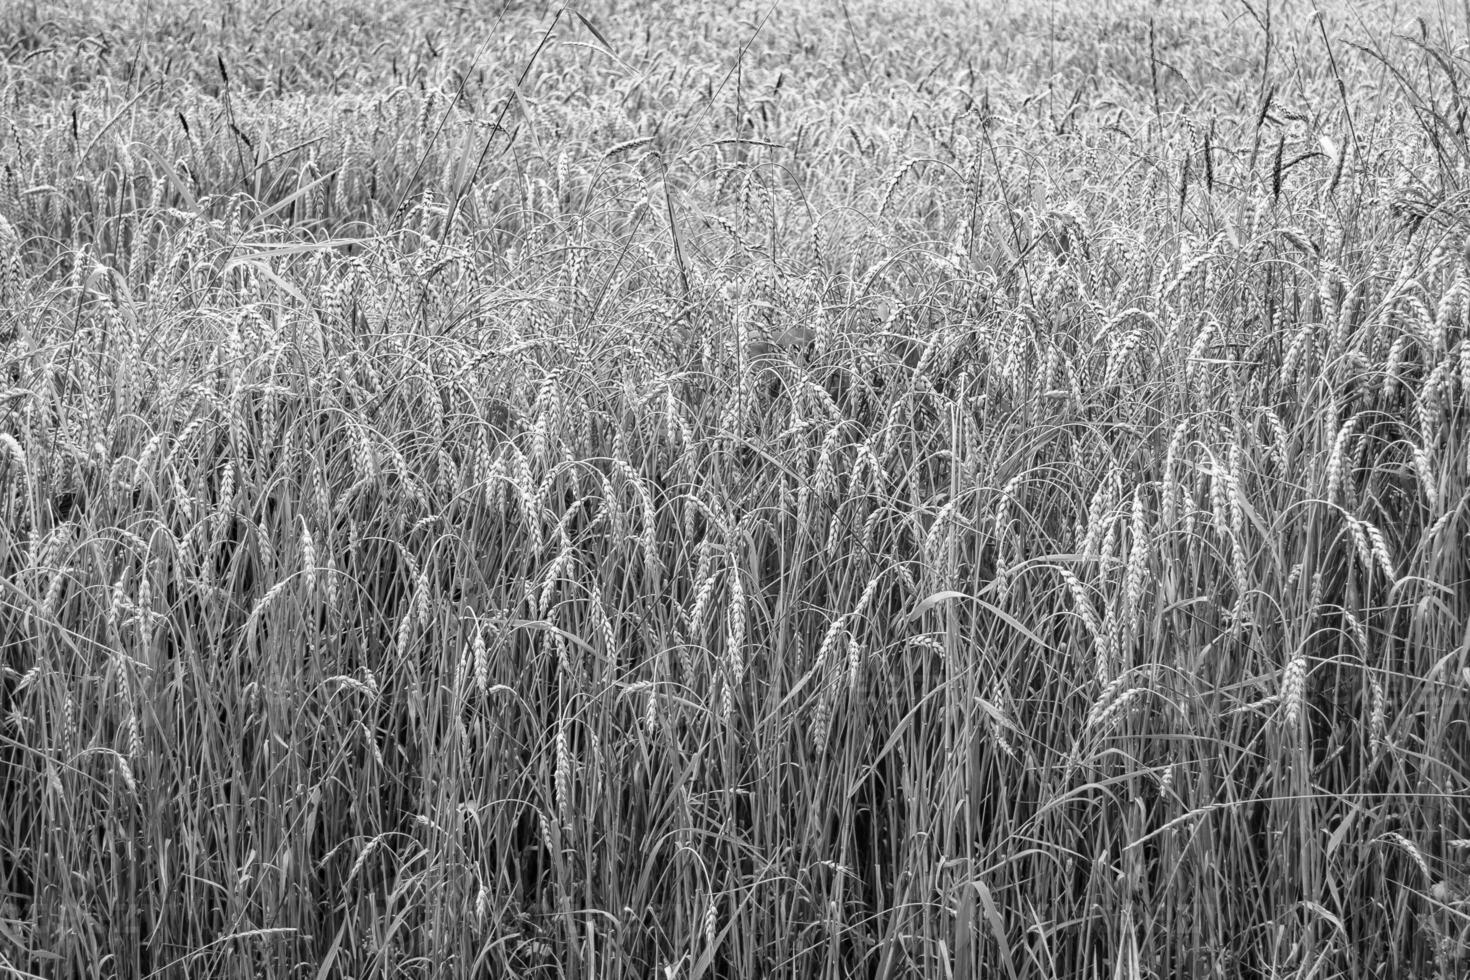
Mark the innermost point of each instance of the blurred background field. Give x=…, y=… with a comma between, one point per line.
x=680, y=490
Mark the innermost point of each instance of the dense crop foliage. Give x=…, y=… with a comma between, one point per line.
x=672, y=490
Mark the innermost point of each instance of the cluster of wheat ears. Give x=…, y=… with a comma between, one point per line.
x=756, y=492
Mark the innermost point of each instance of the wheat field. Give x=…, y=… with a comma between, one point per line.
x=684, y=490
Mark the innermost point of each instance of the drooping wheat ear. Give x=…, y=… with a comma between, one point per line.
x=125, y=773
x=1111, y=701
x=1220, y=498
x=482, y=905
x=364, y=458
x=556, y=571
x=10, y=443
x=651, y=713
x=563, y=774
x=1168, y=507
x=1377, y=725
x=701, y=603
x=481, y=658
x=854, y=664
x=362, y=858
x=935, y=539
x=404, y=634
x=869, y=591
x=824, y=481
x=1411, y=849
x=818, y=728
x=999, y=719
x=1137, y=559
x=893, y=182
x=735, y=622
x=1279, y=437
x=1197, y=352
x=1360, y=540
x=54, y=591
x=1293, y=687
x=1379, y=548
x=145, y=460
x=1105, y=653
x=308, y=556
x=1293, y=578
x=1237, y=518
x=130, y=706
x=1102, y=500
x=1081, y=603
x=1296, y=351
x=1003, y=507
x=1336, y=462
x=224, y=505
x=711, y=921
x=1428, y=483
x=830, y=640
x=9, y=263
